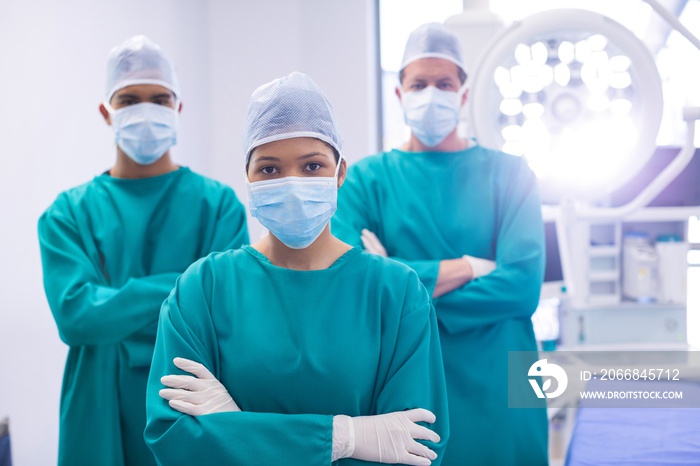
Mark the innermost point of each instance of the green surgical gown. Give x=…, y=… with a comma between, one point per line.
x=425, y=207
x=294, y=348
x=111, y=251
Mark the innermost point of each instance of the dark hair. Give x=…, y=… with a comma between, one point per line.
x=460, y=72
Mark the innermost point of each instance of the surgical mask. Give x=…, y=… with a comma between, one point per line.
x=431, y=113
x=295, y=209
x=144, y=131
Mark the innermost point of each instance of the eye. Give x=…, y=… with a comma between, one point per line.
x=313, y=166
x=417, y=86
x=269, y=170
x=445, y=86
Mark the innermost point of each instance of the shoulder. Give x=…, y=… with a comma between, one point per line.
x=206, y=183
x=505, y=161
x=371, y=163
x=214, y=192
x=395, y=280
x=68, y=200
x=214, y=264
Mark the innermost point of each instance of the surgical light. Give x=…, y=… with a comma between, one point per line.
x=575, y=93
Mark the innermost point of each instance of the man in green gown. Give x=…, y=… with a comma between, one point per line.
x=468, y=220
x=111, y=251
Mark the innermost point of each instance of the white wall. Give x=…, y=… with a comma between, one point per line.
x=52, y=59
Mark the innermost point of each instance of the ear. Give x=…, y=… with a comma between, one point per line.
x=398, y=92
x=105, y=114
x=179, y=108
x=464, y=97
x=342, y=172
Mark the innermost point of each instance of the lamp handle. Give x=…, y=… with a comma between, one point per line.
x=673, y=22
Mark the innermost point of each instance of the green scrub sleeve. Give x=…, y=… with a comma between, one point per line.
x=231, y=230
x=222, y=438
x=512, y=290
x=427, y=271
x=416, y=378
x=88, y=311
x=355, y=211
x=410, y=375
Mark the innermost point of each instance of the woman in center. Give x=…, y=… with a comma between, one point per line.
x=298, y=349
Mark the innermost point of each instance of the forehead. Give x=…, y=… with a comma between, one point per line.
x=431, y=68
x=143, y=91
x=289, y=149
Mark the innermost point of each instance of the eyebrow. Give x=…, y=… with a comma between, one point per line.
x=272, y=158
x=163, y=95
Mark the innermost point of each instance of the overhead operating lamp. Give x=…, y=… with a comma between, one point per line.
x=580, y=97
x=574, y=92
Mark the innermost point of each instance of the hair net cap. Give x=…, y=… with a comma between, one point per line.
x=433, y=40
x=139, y=61
x=290, y=107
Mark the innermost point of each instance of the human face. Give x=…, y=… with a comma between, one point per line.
x=437, y=72
x=302, y=157
x=140, y=93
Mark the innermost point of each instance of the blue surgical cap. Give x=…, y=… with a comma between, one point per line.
x=433, y=40
x=289, y=107
x=139, y=61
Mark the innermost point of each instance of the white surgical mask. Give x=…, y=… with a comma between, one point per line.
x=295, y=209
x=144, y=131
x=431, y=113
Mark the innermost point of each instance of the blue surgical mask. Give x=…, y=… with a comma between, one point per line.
x=294, y=209
x=144, y=131
x=431, y=113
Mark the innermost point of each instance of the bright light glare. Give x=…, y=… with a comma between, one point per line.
x=596, y=76
x=597, y=42
x=511, y=107
x=620, y=106
x=598, y=102
x=583, y=51
x=533, y=110
x=562, y=74
x=536, y=137
x=501, y=76
x=621, y=80
x=510, y=90
x=522, y=54
x=566, y=52
x=619, y=63
x=532, y=77
x=512, y=133
x=539, y=53
x=513, y=147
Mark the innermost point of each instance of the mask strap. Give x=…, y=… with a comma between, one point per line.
x=109, y=108
x=337, y=166
x=464, y=88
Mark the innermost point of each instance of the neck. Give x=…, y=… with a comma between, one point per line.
x=319, y=255
x=127, y=168
x=452, y=143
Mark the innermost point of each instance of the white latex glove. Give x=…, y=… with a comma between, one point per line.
x=195, y=396
x=386, y=438
x=480, y=267
x=372, y=243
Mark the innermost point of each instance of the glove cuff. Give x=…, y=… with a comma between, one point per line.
x=480, y=267
x=343, y=437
